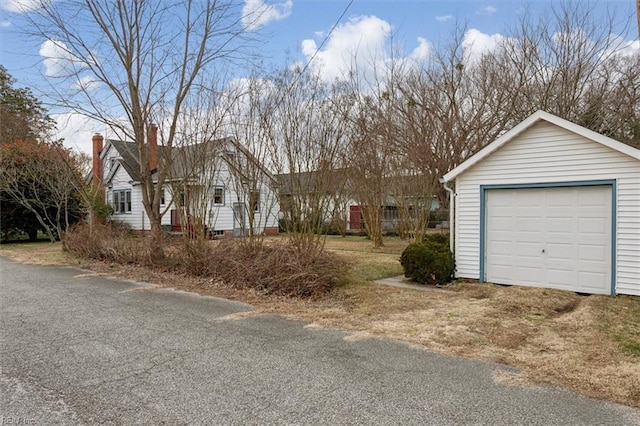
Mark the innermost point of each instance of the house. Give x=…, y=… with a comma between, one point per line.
x=217, y=186
x=332, y=194
x=549, y=204
x=315, y=198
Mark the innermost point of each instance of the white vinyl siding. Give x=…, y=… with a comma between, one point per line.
x=219, y=216
x=137, y=218
x=546, y=153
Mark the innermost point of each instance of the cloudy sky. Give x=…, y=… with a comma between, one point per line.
x=301, y=29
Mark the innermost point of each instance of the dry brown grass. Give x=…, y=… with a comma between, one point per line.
x=590, y=344
x=38, y=253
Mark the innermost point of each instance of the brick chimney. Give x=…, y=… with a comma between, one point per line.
x=98, y=170
x=152, y=139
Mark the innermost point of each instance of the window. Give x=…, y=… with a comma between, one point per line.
x=218, y=195
x=390, y=213
x=122, y=201
x=254, y=200
x=162, y=200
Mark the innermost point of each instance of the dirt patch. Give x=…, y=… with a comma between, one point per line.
x=590, y=344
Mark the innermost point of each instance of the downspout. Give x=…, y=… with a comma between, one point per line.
x=452, y=228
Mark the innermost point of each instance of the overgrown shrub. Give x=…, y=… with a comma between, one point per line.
x=429, y=262
x=280, y=269
x=113, y=242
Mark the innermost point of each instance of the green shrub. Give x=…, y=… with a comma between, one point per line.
x=429, y=262
x=440, y=239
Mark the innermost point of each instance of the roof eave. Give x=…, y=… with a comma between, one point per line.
x=527, y=123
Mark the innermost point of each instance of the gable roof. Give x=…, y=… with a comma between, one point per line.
x=129, y=158
x=526, y=124
x=309, y=182
x=182, y=157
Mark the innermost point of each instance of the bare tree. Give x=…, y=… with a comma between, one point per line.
x=572, y=64
x=133, y=63
x=304, y=132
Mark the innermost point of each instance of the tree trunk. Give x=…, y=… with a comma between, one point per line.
x=156, y=243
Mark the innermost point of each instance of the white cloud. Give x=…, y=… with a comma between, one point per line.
x=444, y=18
x=57, y=59
x=630, y=48
x=77, y=130
x=358, y=43
x=87, y=84
x=5, y=24
x=20, y=6
x=489, y=10
x=421, y=52
x=257, y=13
x=476, y=43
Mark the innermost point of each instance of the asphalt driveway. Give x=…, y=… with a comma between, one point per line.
x=78, y=348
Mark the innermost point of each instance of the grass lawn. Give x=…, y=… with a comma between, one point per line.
x=590, y=344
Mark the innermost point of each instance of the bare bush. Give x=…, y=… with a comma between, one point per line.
x=111, y=242
x=280, y=269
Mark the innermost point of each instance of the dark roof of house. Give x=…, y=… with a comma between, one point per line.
x=184, y=159
x=312, y=181
x=129, y=158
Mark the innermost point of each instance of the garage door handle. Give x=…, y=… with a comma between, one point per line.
x=543, y=250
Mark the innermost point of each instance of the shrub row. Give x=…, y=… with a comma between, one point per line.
x=280, y=269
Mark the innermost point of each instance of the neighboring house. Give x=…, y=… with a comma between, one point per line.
x=216, y=185
x=549, y=204
x=332, y=193
x=319, y=196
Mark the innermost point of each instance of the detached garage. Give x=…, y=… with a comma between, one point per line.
x=549, y=204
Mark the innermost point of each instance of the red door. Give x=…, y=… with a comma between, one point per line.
x=355, y=217
x=175, y=221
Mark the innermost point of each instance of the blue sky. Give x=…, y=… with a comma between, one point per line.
x=297, y=28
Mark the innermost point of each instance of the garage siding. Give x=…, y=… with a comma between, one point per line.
x=546, y=153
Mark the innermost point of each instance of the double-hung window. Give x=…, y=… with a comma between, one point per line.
x=122, y=201
x=218, y=195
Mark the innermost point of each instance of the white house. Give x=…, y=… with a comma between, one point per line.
x=217, y=185
x=549, y=204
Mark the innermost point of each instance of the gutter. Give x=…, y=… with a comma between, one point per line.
x=452, y=196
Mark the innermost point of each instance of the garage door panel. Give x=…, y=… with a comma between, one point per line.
x=593, y=225
x=559, y=251
x=559, y=200
x=528, y=274
x=562, y=225
x=593, y=199
x=592, y=253
x=528, y=223
x=528, y=200
x=591, y=281
x=502, y=271
x=550, y=237
x=499, y=248
x=560, y=278
x=500, y=223
x=527, y=249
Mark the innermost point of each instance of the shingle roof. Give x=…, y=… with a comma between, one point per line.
x=129, y=158
x=183, y=158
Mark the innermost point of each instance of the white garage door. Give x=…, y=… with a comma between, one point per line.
x=550, y=237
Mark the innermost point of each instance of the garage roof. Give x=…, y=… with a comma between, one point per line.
x=530, y=121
